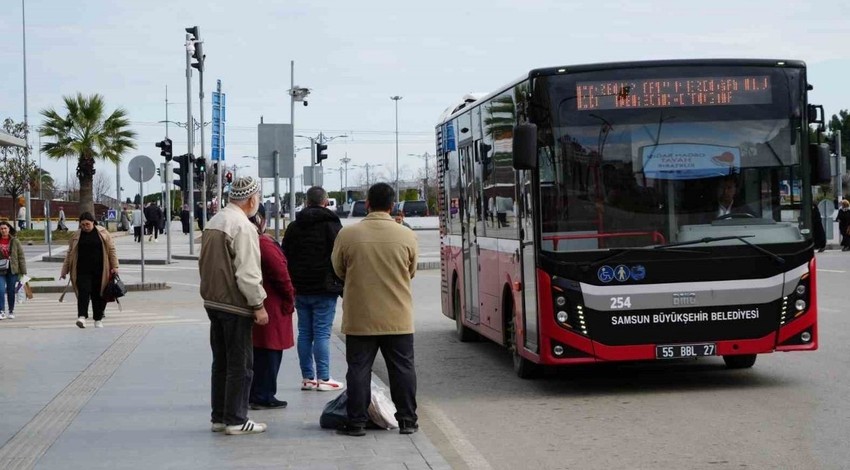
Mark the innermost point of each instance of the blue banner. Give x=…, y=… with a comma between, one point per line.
x=689, y=161
x=218, y=123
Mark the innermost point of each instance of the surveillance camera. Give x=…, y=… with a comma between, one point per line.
x=306, y=103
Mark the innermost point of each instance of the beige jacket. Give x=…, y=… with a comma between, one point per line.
x=231, y=276
x=377, y=260
x=110, y=258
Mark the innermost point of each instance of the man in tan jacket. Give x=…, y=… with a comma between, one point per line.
x=377, y=260
x=232, y=289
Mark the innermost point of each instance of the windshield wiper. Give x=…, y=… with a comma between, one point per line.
x=741, y=238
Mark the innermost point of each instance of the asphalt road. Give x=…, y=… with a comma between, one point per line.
x=789, y=411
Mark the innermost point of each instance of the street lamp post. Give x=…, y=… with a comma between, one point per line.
x=424, y=156
x=27, y=196
x=396, y=99
x=295, y=94
x=190, y=49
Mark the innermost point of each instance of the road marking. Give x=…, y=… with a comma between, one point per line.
x=44, y=313
x=470, y=455
x=831, y=271
x=182, y=284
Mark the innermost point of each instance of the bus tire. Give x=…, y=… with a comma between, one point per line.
x=464, y=334
x=523, y=368
x=744, y=361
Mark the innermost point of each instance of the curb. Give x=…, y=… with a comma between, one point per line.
x=185, y=257
x=47, y=289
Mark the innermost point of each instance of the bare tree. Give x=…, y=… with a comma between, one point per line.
x=16, y=172
x=102, y=185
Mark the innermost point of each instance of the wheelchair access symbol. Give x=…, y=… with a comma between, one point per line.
x=605, y=274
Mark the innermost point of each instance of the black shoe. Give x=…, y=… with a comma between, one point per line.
x=407, y=427
x=274, y=404
x=822, y=250
x=351, y=430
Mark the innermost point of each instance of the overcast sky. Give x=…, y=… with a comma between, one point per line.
x=355, y=55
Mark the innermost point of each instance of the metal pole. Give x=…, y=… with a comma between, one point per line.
x=190, y=128
x=49, y=232
x=838, y=164
x=40, y=172
x=142, y=191
x=276, y=156
x=396, y=98
x=292, y=122
x=118, y=183
x=27, y=203
x=203, y=143
x=166, y=171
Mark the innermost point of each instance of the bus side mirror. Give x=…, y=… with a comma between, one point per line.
x=525, y=147
x=819, y=161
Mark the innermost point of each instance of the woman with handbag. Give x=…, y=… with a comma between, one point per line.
x=13, y=265
x=271, y=339
x=91, y=261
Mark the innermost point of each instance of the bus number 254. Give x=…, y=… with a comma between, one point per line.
x=621, y=302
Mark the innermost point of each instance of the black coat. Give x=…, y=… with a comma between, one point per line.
x=843, y=224
x=818, y=232
x=308, y=244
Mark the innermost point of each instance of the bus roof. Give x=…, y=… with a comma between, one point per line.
x=477, y=98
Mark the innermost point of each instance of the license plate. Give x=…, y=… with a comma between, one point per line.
x=679, y=351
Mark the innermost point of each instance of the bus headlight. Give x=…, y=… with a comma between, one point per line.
x=800, y=290
x=560, y=301
x=558, y=350
x=806, y=337
x=562, y=316
x=800, y=305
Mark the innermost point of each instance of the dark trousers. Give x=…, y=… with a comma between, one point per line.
x=266, y=367
x=137, y=233
x=88, y=289
x=360, y=352
x=232, y=366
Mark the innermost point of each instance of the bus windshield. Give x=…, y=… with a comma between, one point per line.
x=650, y=156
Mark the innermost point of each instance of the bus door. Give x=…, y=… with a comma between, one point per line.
x=527, y=253
x=472, y=312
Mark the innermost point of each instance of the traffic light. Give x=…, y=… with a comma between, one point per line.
x=228, y=177
x=182, y=172
x=165, y=145
x=200, y=170
x=321, y=152
x=198, y=55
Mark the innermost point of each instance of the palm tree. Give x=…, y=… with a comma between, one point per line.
x=86, y=134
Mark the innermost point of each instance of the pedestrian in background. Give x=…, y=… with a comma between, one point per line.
x=22, y=217
x=199, y=214
x=308, y=243
x=843, y=219
x=91, y=261
x=61, y=225
x=137, y=222
x=270, y=340
x=818, y=232
x=232, y=289
x=377, y=260
x=13, y=265
x=185, y=218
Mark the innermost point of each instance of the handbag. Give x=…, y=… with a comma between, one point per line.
x=115, y=290
x=4, y=266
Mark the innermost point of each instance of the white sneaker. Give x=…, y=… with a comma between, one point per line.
x=11, y=316
x=218, y=427
x=81, y=322
x=330, y=385
x=309, y=384
x=98, y=324
x=249, y=427
x=2, y=315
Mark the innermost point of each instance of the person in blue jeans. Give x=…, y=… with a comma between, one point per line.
x=14, y=266
x=308, y=244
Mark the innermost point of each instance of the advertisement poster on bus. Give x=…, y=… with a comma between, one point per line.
x=689, y=161
x=790, y=192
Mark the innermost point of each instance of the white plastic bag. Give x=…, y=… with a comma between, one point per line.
x=381, y=409
x=20, y=294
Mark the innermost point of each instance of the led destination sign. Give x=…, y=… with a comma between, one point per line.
x=673, y=92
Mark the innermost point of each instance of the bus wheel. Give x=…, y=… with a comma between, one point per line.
x=740, y=362
x=524, y=368
x=464, y=334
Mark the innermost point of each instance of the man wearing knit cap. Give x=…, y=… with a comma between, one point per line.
x=232, y=289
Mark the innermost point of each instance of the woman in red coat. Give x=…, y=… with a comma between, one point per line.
x=270, y=340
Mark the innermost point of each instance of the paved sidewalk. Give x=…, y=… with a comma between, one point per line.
x=138, y=397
